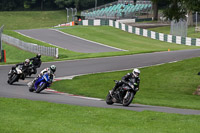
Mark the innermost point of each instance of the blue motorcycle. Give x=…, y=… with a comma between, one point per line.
x=41, y=83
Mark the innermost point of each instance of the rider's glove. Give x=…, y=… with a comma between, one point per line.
x=136, y=89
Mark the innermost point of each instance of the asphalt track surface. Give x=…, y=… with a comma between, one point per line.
x=85, y=66
x=67, y=41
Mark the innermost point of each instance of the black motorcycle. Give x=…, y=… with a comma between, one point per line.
x=123, y=94
x=15, y=74
x=32, y=69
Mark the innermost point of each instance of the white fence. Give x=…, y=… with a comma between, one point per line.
x=179, y=28
x=48, y=51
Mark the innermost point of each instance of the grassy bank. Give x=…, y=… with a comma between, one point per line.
x=103, y=34
x=121, y=39
x=25, y=116
x=63, y=53
x=16, y=55
x=106, y=35
x=171, y=84
x=166, y=29
x=14, y=20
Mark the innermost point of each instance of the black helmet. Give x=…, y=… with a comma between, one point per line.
x=38, y=55
x=53, y=68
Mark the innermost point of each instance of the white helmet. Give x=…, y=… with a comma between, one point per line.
x=136, y=72
x=26, y=62
x=53, y=68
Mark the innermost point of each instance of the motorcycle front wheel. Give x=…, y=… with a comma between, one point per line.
x=128, y=98
x=109, y=99
x=40, y=88
x=13, y=79
x=31, y=88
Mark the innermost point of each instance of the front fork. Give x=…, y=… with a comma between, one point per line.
x=127, y=94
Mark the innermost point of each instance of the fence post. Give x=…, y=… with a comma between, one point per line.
x=1, y=50
x=56, y=52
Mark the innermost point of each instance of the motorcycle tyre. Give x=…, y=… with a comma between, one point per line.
x=31, y=89
x=129, y=100
x=13, y=79
x=35, y=72
x=40, y=88
x=109, y=99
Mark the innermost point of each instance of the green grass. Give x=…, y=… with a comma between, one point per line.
x=63, y=53
x=15, y=20
x=121, y=39
x=106, y=35
x=25, y=116
x=171, y=84
x=166, y=29
x=16, y=55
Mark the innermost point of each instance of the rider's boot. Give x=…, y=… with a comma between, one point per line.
x=31, y=84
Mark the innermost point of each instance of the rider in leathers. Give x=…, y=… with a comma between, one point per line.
x=51, y=70
x=25, y=66
x=36, y=61
x=129, y=77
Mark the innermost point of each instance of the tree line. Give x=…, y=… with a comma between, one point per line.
x=20, y=5
x=177, y=9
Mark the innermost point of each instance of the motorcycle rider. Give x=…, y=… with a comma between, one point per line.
x=25, y=66
x=36, y=62
x=51, y=70
x=128, y=77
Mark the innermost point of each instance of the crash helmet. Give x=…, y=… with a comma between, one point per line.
x=38, y=55
x=26, y=62
x=53, y=68
x=136, y=72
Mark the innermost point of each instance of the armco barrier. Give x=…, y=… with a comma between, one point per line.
x=144, y=32
x=48, y=51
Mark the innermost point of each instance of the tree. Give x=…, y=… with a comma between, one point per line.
x=192, y=6
x=63, y=3
x=80, y=4
x=178, y=9
x=155, y=9
x=8, y=5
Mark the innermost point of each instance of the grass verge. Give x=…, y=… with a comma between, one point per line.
x=124, y=40
x=166, y=29
x=133, y=43
x=107, y=35
x=25, y=116
x=171, y=84
x=16, y=55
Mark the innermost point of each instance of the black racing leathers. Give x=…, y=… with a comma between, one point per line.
x=36, y=62
x=127, y=78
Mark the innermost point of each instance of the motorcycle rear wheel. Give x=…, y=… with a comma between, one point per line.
x=40, y=88
x=128, y=100
x=109, y=99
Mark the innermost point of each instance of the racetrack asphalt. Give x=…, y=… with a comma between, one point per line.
x=67, y=41
x=85, y=66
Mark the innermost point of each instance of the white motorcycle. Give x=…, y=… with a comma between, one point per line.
x=15, y=74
